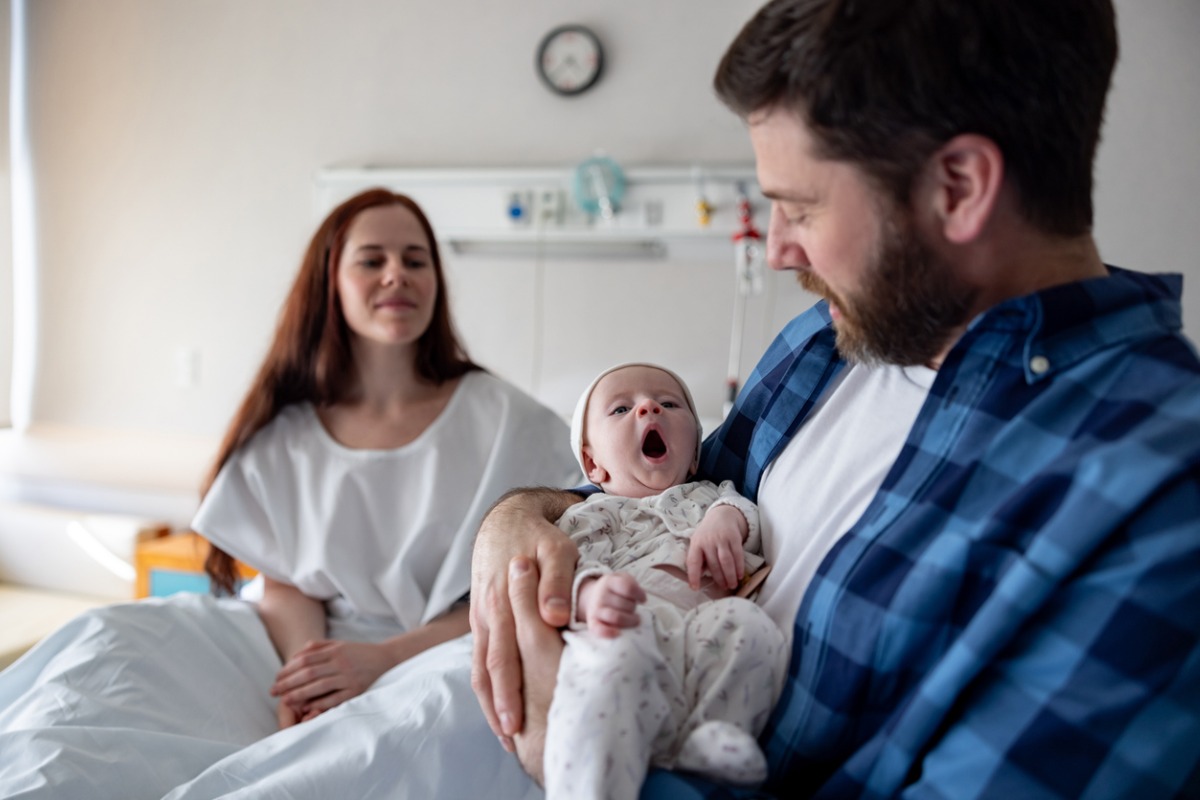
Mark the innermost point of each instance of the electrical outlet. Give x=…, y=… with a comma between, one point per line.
x=653, y=213
x=548, y=206
x=187, y=368
x=520, y=207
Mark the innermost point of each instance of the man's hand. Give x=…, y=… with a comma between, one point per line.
x=540, y=648
x=609, y=603
x=716, y=548
x=521, y=524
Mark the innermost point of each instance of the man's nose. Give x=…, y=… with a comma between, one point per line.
x=784, y=250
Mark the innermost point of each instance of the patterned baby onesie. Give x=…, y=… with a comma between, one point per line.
x=691, y=686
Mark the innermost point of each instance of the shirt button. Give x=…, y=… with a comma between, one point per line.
x=1039, y=365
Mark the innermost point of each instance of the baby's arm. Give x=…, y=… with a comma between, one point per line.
x=717, y=545
x=609, y=602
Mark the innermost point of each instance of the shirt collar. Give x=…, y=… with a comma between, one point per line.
x=1066, y=324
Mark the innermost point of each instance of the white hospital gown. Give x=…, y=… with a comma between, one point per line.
x=135, y=699
x=688, y=688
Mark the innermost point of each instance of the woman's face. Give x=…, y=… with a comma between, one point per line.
x=386, y=279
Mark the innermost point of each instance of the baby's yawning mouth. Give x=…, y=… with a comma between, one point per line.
x=653, y=445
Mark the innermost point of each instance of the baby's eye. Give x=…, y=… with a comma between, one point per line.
x=618, y=410
x=670, y=404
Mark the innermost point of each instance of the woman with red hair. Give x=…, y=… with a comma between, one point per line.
x=353, y=477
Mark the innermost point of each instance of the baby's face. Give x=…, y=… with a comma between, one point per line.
x=639, y=436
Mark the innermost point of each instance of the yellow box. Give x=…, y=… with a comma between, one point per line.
x=175, y=563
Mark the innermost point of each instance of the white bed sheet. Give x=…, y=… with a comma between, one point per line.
x=418, y=733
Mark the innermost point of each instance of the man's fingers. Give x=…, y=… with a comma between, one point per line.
x=541, y=649
x=534, y=637
x=525, y=593
x=502, y=666
x=556, y=567
x=480, y=681
x=482, y=684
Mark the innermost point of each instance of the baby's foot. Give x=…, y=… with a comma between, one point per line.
x=723, y=752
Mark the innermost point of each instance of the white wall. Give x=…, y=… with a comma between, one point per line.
x=1148, y=170
x=176, y=143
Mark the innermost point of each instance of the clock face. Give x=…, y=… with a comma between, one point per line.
x=569, y=59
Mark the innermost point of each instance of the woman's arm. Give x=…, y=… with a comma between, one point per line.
x=448, y=626
x=293, y=619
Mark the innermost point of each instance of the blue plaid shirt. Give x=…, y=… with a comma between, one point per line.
x=1017, y=613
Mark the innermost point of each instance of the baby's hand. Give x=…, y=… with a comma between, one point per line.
x=609, y=603
x=716, y=547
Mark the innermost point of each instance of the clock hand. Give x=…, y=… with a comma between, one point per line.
x=564, y=70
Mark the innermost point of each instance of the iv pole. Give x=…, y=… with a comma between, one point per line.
x=747, y=264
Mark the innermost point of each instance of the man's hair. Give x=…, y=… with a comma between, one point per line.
x=884, y=83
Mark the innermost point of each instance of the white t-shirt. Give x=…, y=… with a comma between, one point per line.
x=389, y=532
x=822, y=482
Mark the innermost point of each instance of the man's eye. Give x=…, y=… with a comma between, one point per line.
x=794, y=216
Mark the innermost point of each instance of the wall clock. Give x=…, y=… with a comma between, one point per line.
x=570, y=59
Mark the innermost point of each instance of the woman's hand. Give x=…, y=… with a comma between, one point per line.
x=286, y=715
x=520, y=525
x=716, y=548
x=327, y=673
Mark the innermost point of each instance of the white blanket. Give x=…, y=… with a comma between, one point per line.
x=418, y=733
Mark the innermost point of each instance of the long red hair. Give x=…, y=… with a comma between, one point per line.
x=310, y=359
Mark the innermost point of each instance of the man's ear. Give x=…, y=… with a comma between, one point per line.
x=594, y=472
x=965, y=176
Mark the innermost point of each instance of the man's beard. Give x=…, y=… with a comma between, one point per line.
x=909, y=306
